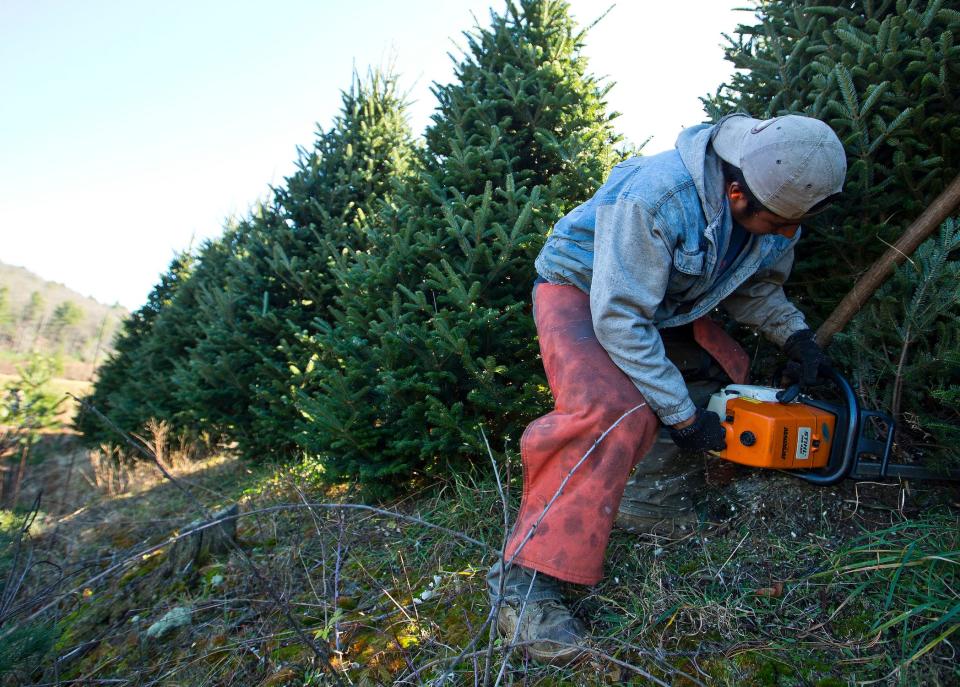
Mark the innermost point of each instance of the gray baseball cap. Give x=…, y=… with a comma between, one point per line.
x=790, y=163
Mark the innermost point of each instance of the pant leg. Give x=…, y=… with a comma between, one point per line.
x=591, y=394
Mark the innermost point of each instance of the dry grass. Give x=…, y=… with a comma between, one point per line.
x=785, y=584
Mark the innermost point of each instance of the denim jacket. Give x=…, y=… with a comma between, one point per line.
x=646, y=249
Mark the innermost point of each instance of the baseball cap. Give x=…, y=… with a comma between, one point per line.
x=791, y=163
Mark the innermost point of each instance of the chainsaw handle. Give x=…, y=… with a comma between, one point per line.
x=836, y=470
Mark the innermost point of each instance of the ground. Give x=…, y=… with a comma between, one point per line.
x=783, y=583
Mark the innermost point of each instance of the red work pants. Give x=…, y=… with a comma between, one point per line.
x=563, y=532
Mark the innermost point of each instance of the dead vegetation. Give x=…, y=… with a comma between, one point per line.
x=783, y=584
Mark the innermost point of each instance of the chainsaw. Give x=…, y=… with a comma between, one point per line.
x=819, y=441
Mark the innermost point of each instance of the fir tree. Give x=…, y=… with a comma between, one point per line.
x=885, y=75
x=904, y=347
x=113, y=394
x=432, y=336
x=238, y=377
x=177, y=331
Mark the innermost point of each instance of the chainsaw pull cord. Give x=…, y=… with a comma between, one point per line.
x=789, y=395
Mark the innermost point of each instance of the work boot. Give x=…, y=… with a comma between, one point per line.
x=533, y=615
x=659, y=496
x=554, y=635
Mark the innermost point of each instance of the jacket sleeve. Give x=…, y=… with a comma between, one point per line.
x=631, y=267
x=761, y=303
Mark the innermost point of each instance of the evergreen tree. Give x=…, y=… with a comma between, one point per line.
x=432, y=336
x=238, y=375
x=31, y=320
x=904, y=347
x=885, y=75
x=67, y=314
x=114, y=393
x=176, y=332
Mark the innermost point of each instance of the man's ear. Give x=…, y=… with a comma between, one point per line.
x=734, y=192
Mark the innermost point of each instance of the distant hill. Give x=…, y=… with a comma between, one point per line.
x=51, y=318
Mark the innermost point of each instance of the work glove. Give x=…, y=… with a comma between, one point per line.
x=705, y=434
x=807, y=359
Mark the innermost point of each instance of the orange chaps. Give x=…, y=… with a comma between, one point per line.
x=569, y=503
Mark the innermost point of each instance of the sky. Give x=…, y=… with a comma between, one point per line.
x=132, y=130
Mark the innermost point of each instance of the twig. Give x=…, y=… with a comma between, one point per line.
x=503, y=550
x=511, y=645
x=533, y=527
x=563, y=483
x=341, y=554
x=270, y=509
x=732, y=553
x=586, y=649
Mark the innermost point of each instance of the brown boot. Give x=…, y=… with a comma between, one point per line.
x=659, y=496
x=545, y=629
x=673, y=526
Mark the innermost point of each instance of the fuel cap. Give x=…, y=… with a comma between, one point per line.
x=748, y=438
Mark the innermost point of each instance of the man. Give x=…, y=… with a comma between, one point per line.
x=663, y=242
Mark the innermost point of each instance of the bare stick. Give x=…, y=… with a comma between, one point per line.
x=916, y=233
x=503, y=568
x=533, y=528
x=587, y=650
x=516, y=632
x=136, y=555
x=563, y=483
x=338, y=564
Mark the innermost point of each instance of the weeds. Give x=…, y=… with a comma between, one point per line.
x=112, y=469
x=907, y=577
x=784, y=584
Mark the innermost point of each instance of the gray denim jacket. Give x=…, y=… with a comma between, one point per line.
x=646, y=248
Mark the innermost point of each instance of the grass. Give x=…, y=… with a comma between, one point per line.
x=785, y=584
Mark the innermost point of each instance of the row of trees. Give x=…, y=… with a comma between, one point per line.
x=22, y=328
x=374, y=312
x=60, y=328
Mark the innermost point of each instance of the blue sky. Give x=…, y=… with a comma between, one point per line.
x=130, y=129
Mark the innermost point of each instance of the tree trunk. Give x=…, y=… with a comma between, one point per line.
x=916, y=233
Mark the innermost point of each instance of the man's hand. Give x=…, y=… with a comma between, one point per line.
x=807, y=359
x=703, y=432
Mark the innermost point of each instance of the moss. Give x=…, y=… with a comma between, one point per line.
x=853, y=626
x=149, y=564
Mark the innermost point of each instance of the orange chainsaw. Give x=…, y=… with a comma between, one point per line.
x=824, y=442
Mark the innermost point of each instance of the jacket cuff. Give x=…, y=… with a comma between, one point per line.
x=779, y=335
x=672, y=415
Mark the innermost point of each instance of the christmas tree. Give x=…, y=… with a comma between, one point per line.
x=432, y=337
x=118, y=392
x=237, y=378
x=886, y=76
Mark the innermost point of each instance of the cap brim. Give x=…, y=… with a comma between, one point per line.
x=729, y=134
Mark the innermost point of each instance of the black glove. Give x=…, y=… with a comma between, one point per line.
x=705, y=434
x=807, y=359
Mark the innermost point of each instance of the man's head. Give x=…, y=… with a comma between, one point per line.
x=778, y=171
